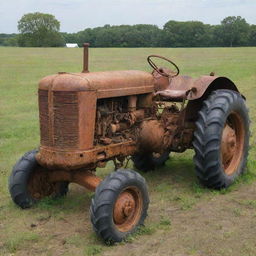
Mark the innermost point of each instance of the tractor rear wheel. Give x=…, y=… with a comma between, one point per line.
x=221, y=139
x=147, y=162
x=29, y=182
x=119, y=205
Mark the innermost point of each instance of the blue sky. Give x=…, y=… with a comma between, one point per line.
x=76, y=15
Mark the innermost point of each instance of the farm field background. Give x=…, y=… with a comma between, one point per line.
x=184, y=218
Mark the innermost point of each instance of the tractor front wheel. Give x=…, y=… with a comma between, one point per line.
x=221, y=139
x=119, y=205
x=29, y=182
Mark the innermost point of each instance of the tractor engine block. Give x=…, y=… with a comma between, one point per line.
x=118, y=120
x=154, y=128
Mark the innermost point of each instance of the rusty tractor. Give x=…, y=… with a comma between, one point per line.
x=89, y=118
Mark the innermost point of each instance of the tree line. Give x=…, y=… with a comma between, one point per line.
x=42, y=30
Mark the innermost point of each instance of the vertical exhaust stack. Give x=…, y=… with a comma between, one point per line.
x=86, y=61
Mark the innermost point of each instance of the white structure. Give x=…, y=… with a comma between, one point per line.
x=72, y=45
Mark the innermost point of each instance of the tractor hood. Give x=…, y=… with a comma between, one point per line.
x=106, y=84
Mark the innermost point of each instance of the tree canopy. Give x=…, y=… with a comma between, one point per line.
x=39, y=30
x=42, y=30
x=185, y=34
x=232, y=31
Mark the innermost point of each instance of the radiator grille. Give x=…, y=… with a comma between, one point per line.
x=64, y=119
x=44, y=117
x=65, y=105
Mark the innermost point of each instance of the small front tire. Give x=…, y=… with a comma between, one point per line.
x=119, y=205
x=28, y=182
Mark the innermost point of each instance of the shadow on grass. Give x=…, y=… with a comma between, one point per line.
x=178, y=172
x=176, y=182
x=75, y=201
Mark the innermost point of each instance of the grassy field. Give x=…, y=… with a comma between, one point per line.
x=184, y=218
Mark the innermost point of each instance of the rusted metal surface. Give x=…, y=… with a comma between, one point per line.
x=136, y=116
x=228, y=145
x=232, y=143
x=160, y=82
x=55, y=158
x=209, y=83
x=63, y=112
x=120, y=132
x=116, y=122
x=162, y=71
x=87, y=115
x=39, y=184
x=185, y=87
x=67, y=119
x=44, y=117
x=178, y=129
x=44, y=182
x=145, y=101
x=106, y=84
x=82, y=177
x=171, y=119
x=132, y=102
x=151, y=136
x=127, y=209
x=86, y=58
x=87, y=118
x=176, y=88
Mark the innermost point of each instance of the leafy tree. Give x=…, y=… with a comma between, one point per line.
x=11, y=41
x=215, y=32
x=234, y=31
x=141, y=35
x=252, y=35
x=39, y=30
x=185, y=34
x=8, y=39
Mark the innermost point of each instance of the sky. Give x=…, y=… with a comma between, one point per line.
x=76, y=15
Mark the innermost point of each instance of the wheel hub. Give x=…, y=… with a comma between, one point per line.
x=228, y=145
x=127, y=209
x=124, y=207
x=232, y=143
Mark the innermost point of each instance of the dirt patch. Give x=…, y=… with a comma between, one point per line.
x=215, y=224
x=221, y=225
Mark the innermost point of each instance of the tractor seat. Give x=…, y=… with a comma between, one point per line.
x=178, y=88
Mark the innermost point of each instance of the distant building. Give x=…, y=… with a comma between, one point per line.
x=72, y=45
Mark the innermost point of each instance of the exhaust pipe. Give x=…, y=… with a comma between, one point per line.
x=86, y=56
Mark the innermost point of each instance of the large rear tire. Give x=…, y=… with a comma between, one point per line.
x=28, y=182
x=221, y=139
x=119, y=205
x=150, y=161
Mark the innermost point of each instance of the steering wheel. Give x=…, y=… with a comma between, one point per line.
x=159, y=70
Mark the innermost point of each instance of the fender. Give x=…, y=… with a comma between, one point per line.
x=185, y=87
x=204, y=85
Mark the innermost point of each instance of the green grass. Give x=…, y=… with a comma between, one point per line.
x=173, y=190
x=18, y=240
x=93, y=250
